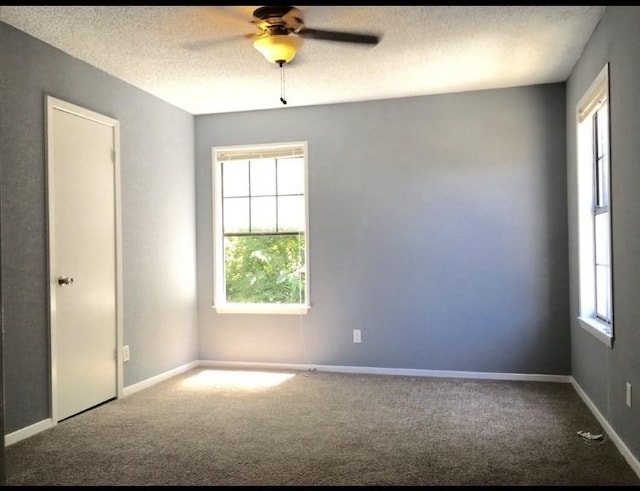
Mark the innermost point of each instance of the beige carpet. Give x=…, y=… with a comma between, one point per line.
x=219, y=427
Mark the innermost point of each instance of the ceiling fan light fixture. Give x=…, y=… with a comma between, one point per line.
x=278, y=48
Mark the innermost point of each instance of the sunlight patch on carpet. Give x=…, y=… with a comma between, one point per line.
x=236, y=379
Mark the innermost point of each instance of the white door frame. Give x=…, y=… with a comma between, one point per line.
x=53, y=104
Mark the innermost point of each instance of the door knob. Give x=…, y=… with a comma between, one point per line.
x=65, y=280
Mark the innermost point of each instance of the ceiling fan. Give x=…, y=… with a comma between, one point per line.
x=280, y=34
x=281, y=31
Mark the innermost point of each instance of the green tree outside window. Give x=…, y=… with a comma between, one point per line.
x=265, y=268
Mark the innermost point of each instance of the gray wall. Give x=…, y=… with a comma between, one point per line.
x=438, y=226
x=2, y=442
x=158, y=224
x=600, y=371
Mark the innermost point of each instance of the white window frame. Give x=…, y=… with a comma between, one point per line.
x=593, y=99
x=220, y=303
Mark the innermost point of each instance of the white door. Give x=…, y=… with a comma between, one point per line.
x=83, y=257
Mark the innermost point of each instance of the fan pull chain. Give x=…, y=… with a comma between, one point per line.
x=282, y=99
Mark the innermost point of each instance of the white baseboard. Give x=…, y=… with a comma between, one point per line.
x=132, y=389
x=26, y=432
x=389, y=371
x=624, y=450
x=21, y=434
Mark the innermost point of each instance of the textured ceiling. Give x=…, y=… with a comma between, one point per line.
x=424, y=50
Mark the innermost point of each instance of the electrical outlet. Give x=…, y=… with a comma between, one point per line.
x=125, y=353
x=628, y=394
x=357, y=336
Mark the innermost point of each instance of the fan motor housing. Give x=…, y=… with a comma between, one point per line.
x=265, y=13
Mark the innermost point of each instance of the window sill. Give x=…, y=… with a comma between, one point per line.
x=599, y=329
x=261, y=309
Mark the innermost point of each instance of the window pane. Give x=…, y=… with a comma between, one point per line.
x=263, y=214
x=263, y=177
x=235, y=215
x=602, y=131
x=602, y=233
x=605, y=179
x=291, y=216
x=602, y=156
x=603, y=292
x=600, y=195
x=291, y=176
x=235, y=178
x=602, y=182
x=265, y=269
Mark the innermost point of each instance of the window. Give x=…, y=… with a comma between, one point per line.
x=260, y=226
x=594, y=210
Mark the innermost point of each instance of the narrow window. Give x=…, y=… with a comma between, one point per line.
x=594, y=209
x=261, y=243
x=601, y=216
